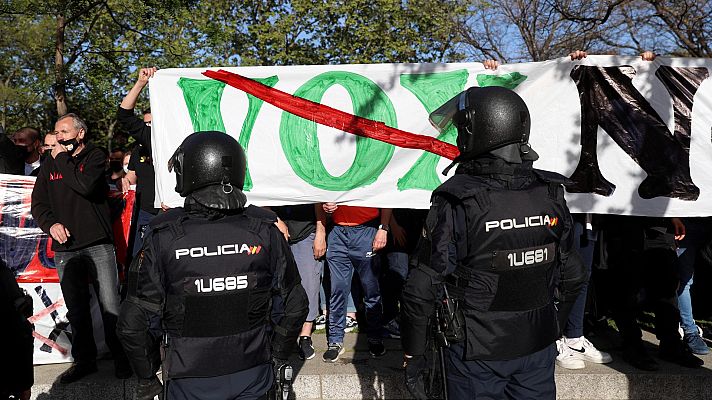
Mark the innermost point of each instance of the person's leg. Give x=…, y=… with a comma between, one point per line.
x=535, y=378
x=392, y=281
x=661, y=282
x=309, y=271
x=471, y=379
x=686, y=269
x=585, y=247
x=366, y=263
x=103, y=270
x=341, y=272
x=72, y=271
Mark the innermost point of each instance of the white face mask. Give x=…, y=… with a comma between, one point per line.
x=126, y=169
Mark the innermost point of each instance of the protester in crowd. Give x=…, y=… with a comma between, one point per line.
x=574, y=349
x=353, y=243
x=141, y=172
x=305, y=225
x=213, y=308
x=29, y=139
x=504, y=282
x=406, y=228
x=125, y=162
x=116, y=171
x=16, y=333
x=698, y=232
x=643, y=264
x=69, y=203
x=48, y=143
x=11, y=156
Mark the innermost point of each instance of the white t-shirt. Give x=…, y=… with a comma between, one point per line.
x=31, y=167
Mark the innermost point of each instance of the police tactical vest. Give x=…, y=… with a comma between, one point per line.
x=507, y=265
x=218, y=279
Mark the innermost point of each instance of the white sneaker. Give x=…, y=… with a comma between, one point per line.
x=566, y=358
x=584, y=350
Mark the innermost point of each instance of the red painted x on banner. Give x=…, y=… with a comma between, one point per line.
x=334, y=118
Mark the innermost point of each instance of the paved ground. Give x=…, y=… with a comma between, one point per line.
x=357, y=376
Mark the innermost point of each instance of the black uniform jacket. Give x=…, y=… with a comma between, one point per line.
x=208, y=278
x=501, y=241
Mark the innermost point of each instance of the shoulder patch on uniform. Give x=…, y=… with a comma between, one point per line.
x=268, y=216
x=164, y=219
x=552, y=177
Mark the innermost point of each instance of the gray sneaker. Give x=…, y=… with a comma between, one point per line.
x=333, y=353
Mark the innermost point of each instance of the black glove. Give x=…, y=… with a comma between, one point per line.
x=416, y=370
x=147, y=389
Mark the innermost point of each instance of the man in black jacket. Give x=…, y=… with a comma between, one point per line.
x=69, y=203
x=207, y=273
x=141, y=171
x=502, y=245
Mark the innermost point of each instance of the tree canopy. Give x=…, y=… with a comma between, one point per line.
x=82, y=55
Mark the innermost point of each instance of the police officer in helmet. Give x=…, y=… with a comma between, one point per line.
x=206, y=274
x=501, y=246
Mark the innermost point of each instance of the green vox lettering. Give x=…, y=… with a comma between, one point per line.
x=202, y=97
x=300, y=143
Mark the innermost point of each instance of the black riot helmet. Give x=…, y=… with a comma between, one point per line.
x=211, y=163
x=488, y=120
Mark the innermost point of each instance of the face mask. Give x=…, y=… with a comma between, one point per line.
x=115, y=166
x=70, y=144
x=126, y=169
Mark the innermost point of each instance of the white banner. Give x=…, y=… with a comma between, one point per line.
x=644, y=147
x=52, y=330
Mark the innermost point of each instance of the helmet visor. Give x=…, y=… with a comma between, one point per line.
x=442, y=117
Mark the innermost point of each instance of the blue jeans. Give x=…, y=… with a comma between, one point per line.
x=351, y=248
x=73, y=268
x=310, y=271
x=585, y=245
x=697, y=232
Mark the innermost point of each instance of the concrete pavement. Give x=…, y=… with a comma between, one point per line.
x=357, y=376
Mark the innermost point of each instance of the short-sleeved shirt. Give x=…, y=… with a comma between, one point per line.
x=352, y=215
x=300, y=220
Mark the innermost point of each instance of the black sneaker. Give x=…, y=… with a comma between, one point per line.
x=676, y=352
x=696, y=344
x=77, y=371
x=333, y=353
x=637, y=356
x=306, y=348
x=376, y=347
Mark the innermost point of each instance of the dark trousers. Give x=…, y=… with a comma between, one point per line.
x=585, y=243
x=75, y=268
x=527, y=377
x=644, y=277
x=250, y=384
